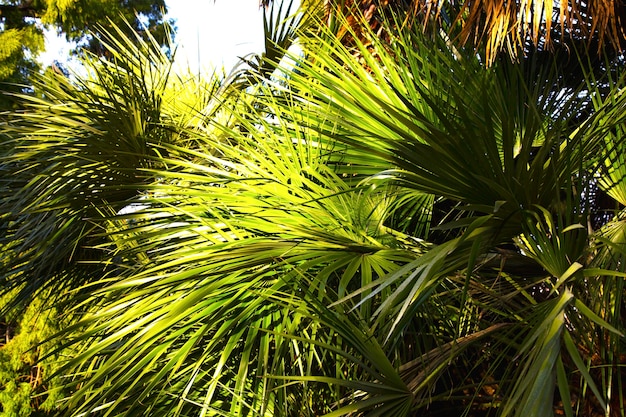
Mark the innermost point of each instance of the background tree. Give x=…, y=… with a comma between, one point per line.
x=22, y=23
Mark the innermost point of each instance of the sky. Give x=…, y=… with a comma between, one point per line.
x=209, y=33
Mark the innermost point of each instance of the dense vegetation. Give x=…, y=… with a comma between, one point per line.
x=379, y=225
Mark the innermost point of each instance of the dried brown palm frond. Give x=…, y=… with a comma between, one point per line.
x=501, y=24
x=498, y=25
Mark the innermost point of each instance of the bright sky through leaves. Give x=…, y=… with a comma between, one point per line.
x=216, y=33
x=209, y=33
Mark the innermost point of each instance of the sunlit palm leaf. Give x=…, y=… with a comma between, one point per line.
x=221, y=233
x=77, y=152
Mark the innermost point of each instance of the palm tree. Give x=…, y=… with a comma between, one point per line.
x=388, y=228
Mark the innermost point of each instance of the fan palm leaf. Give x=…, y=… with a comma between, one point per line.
x=227, y=228
x=76, y=153
x=413, y=116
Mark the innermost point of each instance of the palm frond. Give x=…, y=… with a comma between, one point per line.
x=492, y=26
x=77, y=152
